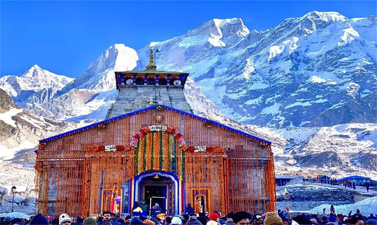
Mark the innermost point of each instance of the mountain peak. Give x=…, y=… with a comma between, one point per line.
x=326, y=16
x=32, y=71
x=221, y=28
x=36, y=66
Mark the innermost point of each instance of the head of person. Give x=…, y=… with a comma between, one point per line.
x=241, y=218
x=89, y=221
x=272, y=218
x=107, y=215
x=257, y=219
x=214, y=216
x=64, y=219
x=176, y=221
x=38, y=220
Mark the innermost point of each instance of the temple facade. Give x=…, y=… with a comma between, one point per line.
x=151, y=147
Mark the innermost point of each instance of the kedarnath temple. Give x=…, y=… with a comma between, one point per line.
x=151, y=147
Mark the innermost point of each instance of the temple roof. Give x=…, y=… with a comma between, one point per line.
x=146, y=109
x=147, y=71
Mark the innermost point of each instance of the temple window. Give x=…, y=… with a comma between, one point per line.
x=162, y=81
x=151, y=81
x=139, y=81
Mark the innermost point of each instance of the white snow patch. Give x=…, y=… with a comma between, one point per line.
x=215, y=41
x=274, y=109
x=316, y=79
x=298, y=104
x=192, y=41
x=248, y=70
x=274, y=51
x=8, y=153
x=7, y=116
x=254, y=101
x=367, y=206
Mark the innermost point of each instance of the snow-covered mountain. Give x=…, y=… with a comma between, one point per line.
x=33, y=86
x=20, y=132
x=300, y=73
x=304, y=79
x=289, y=75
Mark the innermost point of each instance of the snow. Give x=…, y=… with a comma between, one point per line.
x=8, y=153
x=253, y=101
x=275, y=50
x=367, y=206
x=316, y=79
x=298, y=104
x=349, y=35
x=274, y=109
x=329, y=16
x=249, y=69
x=192, y=41
x=217, y=70
x=215, y=41
x=7, y=116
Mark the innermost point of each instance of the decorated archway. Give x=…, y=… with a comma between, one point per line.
x=173, y=193
x=159, y=148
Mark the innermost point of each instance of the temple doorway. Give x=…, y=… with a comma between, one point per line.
x=156, y=194
x=158, y=187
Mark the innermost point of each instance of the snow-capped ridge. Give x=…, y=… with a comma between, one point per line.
x=99, y=75
x=326, y=16
x=221, y=28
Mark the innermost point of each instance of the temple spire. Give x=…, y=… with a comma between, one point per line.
x=151, y=65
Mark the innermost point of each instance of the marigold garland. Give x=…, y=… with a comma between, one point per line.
x=41, y=146
x=120, y=147
x=101, y=126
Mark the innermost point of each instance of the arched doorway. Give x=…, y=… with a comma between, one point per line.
x=158, y=187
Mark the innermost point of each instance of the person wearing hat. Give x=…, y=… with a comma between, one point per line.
x=193, y=220
x=242, y=218
x=272, y=218
x=144, y=206
x=38, y=219
x=213, y=219
x=156, y=209
x=64, y=219
x=89, y=221
x=176, y=221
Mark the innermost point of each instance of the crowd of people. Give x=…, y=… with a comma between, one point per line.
x=239, y=218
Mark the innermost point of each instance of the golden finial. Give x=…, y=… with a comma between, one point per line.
x=151, y=102
x=151, y=65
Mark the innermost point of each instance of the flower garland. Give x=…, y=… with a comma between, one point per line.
x=41, y=146
x=207, y=124
x=102, y=148
x=101, y=126
x=156, y=128
x=160, y=108
x=203, y=149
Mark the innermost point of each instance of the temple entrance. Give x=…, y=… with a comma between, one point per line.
x=156, y=194
x=158, y=187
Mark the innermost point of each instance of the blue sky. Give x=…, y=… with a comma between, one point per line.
x=66, y=36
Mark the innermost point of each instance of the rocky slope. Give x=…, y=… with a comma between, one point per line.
x=20, y=132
